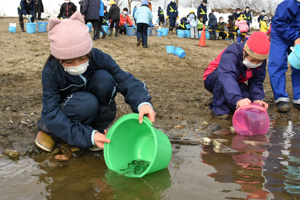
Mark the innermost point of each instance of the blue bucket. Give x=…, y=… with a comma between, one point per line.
x=12, y=29
x=31, y=27
x=159, y=33
x=42, y=26
x=187, y=33
x=170, y=49
x=207, y=36
x=90, y=26
x=149, y=31
x=130, y=31
x=181, y=33
x=294, y=57
x=105, y=28
x=187, y=26
x=165, y=31
x=179, y=52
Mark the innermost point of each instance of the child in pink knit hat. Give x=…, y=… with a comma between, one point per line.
x=79, y=86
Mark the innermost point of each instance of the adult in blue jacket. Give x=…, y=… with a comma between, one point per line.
x=25, y=8
x=143, y=18
x=101, y=20
x=161, y=16
x=90, y=12
x=133, y=13
x=248, y=17
x=227, y=75
x=212, y=24
x=172, y=14
x=284, y=34
x=202, y=11
x=79, y=86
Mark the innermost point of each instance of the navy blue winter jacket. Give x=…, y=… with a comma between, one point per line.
x=161, y=12
x=91, y=9
x=202, y=12
x=286, y=21
x=57, y=84
x=212, y=23
x=24, y=7
x=229, y=70
x=172, y=10
x=247, y=17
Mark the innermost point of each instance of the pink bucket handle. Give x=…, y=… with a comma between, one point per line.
x=252, y=105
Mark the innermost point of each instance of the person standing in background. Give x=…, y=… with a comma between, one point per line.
x=143, y=19
x=114, y=16
x=161, y=17
x=90, y=13
x=133, y=13
x=172, y=15
x=39, y=8
x=202, y=11
x=260, y=17
x=212, y=23
x=67, y=9
x=236, y=14
x=285, y=33
x=25, y=8
x=101, y=20
x=248, y=17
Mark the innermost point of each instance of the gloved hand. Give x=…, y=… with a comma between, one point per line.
x=125, y=25
x=167, y=16
x=133, y=25
x=177, y=17
x=29, y=16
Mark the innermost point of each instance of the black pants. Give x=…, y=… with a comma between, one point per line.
x=116, y=23
x=122, y=29
x=223, y=35
x=142, y=31
x=231, y=36
x=100, y=23
x=94, y=23
x=161, y=21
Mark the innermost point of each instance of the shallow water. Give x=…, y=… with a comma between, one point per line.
x=266, y=167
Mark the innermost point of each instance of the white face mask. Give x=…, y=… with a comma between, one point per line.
x=251, y=65
x=221, y=21
x=125, y=12
x=247, y=9
x=77, y=70
x=263, y=13
x=67, y=1
x=238, y=12
x=28, y=2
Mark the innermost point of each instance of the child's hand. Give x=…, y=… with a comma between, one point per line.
x=100, y=139
x=147, y=111
x=263, y=104
x=297, y=41
x=243, y=102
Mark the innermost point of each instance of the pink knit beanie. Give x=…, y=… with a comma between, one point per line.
x=69, y=38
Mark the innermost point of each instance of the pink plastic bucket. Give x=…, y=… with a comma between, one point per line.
x=252, y=119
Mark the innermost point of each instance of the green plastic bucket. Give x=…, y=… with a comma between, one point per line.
x=131, y=141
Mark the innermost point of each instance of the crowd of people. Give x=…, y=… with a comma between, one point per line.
x=235, y=78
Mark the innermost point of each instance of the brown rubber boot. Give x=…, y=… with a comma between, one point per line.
x=44, y=141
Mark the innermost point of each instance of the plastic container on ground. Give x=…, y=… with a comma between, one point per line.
x=180, y=33
x=252, y=119
x=170, y=49
x=42, y=27
x=159, y=33
x=130, y=31
x=131, y=141
x=90, y=26
x=31, y=27
x=165, y=31
x=12, y=27
x=179, y=52
x=187, y=33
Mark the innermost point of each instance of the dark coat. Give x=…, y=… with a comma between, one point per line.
x=39, y=7
x=114, y=12
x=57, y=84
x=172, y=10
x=235, y=15
x=67, y=10
x=25, y=8
x=212, y=21
x=91, y=9
x=231, y=26
x=202, y=12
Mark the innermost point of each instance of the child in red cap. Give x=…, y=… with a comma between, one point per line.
x=226, y=76
x=79, y=87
